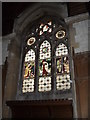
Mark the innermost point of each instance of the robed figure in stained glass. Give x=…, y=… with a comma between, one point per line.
x=62, y=67
x=29, y=70
x=45, y=67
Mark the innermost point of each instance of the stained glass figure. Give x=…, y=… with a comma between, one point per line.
x=60, y=34
x=29, y=69
x=45, y=67
x=62, y=68
x=31, y=41
x=66, y=64
x=29, y=72
x=62, y=64
x=59, y=65
x=30, y=56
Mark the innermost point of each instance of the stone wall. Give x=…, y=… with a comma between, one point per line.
x=78, y=33
x=81, y=35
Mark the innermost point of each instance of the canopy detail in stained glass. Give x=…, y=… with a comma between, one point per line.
x=45, y=50
x=61, y=50
x=30, y=56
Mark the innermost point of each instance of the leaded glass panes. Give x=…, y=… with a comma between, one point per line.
x=45, y=67
x=44, y=84
x=62, y=68
x=45, y=50
x=49, y=74
x=47, y=27
x=29, y=72
x=63, y=82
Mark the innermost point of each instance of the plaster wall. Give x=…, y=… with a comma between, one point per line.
x=81, y=36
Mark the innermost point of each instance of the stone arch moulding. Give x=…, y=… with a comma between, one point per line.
x=36, y=11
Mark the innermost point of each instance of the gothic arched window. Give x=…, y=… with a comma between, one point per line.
x=46, y=68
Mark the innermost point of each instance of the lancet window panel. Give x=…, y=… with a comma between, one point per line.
x=29, y=72
x=45, y=67
x=63, y=81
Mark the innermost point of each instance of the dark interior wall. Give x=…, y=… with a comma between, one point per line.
x=81, y=78
x=42, y=109
x=11, y=10
x=75, y=8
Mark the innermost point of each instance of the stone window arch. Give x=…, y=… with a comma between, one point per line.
x=45, y=69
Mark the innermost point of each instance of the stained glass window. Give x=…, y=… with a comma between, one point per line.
x=49, y=73
x=62, y=68
x=29, y=72
x=45, y=67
